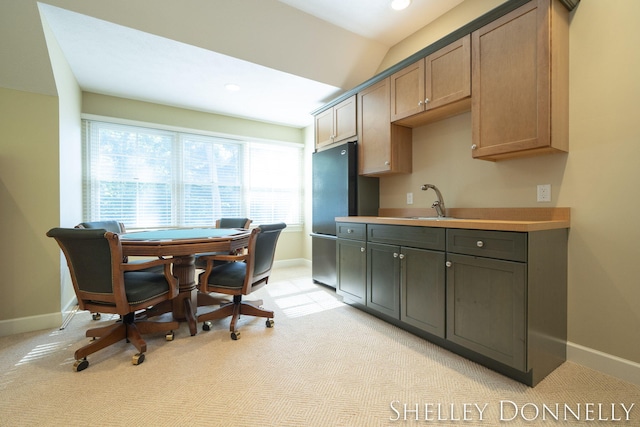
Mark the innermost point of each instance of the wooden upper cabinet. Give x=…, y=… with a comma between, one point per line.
x=438, y=80
x=407, y=91
x=520, y=83
x=384, y=147
x=336, y=124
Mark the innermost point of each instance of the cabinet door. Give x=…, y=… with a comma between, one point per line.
x=383, y=275
x=324, y=128
x=352, y=270
x=422, y=290
x=384, y=148
x=374, y=129
x=448, y=74
x=407, y=91
x=512, y=78
x=344, y=120
x=486, y=307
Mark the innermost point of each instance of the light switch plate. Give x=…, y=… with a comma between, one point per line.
x=544, y=193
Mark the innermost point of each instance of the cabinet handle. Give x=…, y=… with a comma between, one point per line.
x=395, y=255
x=419, y=103
x=448, y=264
x=426, y=101
x=474, y=147
x=401, y=256
x=361, y=249
x=349, y=231
x=479, y=243
x=387, y=163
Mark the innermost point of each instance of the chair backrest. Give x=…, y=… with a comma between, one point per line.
x=233, y=223
x=112, y=226
x=262, y=250
x=93, y=256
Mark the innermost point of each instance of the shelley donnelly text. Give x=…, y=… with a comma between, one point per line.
x=511, y=411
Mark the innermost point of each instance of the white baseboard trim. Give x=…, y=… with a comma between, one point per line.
x=31, y=323
x=608, y=364
x=296, y=262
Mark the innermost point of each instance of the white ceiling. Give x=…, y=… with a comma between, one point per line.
x=374, y=19
x=116, y=60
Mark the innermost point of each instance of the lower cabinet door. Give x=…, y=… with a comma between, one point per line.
x=383, y=276
x=486, y=307
x=352, y=270
x=422, y=290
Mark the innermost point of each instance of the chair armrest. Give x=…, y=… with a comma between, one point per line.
x=146, y=264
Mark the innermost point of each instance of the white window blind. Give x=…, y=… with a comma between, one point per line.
x=149, y=178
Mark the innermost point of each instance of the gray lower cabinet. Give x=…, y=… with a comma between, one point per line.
x=422, y=290
x=486, y=307
x=496, y=297
x=407, y=284
x=351, y=258
x=406, y=275
x=383, y=279
x=507, y=299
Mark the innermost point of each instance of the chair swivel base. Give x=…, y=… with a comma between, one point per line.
x=124, y=329
x=234, y=310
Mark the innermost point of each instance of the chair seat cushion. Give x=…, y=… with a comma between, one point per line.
x=141, y=286
x=230, y=275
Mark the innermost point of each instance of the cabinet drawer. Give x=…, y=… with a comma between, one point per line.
x=402, y=235
x=351, y=230
x=505, y=245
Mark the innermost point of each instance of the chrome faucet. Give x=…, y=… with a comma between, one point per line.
x=438, y=205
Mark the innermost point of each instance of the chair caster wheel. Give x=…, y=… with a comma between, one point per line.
x=206, y=326
x=235, y=336
x=96, y=316
x=138, y=359
x=269, y=323
x=81, y=365
x=170, y=336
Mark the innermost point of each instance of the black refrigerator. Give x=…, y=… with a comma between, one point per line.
x=338, y=190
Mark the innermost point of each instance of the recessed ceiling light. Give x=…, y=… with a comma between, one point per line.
x=400, y=4
x=232, y=87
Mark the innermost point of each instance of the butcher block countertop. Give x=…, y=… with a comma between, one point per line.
x=499, y=219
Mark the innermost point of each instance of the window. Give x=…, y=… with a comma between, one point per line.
x=148, y=178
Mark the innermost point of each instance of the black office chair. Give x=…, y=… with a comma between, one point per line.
x=223, y=223
x=241, y=275
x=233, y=223
x=119, y=228
x=112, y=226
x=104, y=283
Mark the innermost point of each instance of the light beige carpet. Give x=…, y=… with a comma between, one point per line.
x=323, y=364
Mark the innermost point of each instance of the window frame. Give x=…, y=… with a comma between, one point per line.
x=178, y=205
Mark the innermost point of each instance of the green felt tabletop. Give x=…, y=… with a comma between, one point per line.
x=180, y=233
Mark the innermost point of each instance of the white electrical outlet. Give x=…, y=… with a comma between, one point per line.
x=544, y=193
x=409, y=198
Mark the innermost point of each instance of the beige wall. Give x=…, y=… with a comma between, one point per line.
x=456, y=18
x=598, y=179
x=29, y=206
x=70, y=153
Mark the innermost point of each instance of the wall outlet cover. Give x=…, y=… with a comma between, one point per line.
x=544, y=193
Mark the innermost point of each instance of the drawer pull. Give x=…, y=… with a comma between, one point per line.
x=395, y=255
x=349, y=231
x=361, y=249
x=401, y=256
x=480, y=243
x=448, y=264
